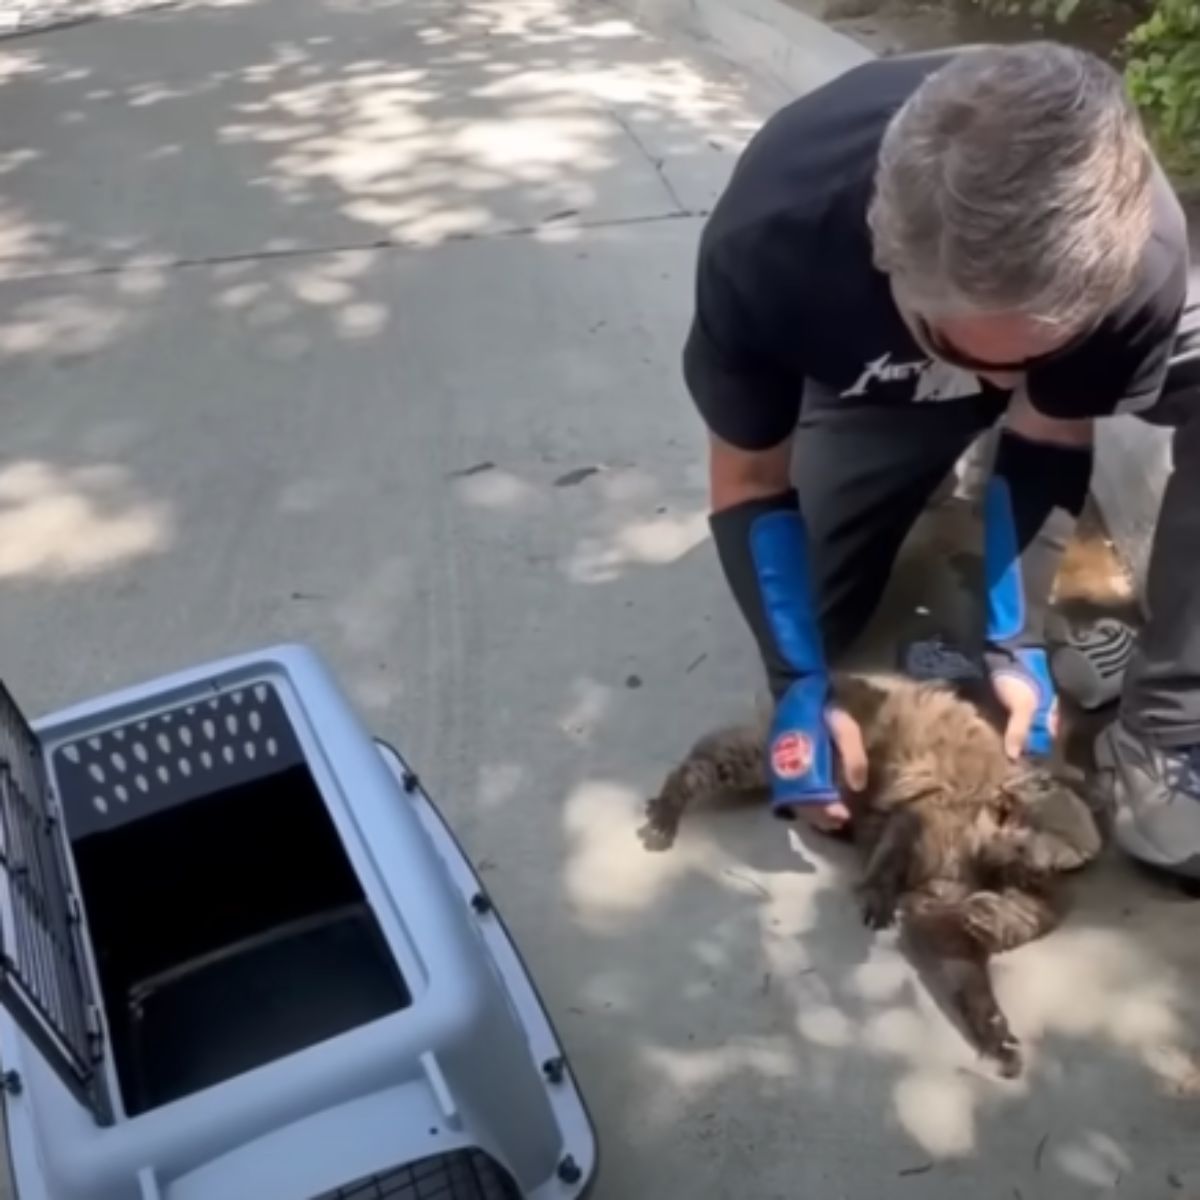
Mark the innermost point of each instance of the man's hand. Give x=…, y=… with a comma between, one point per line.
x=1021, y=699
x=852, y=758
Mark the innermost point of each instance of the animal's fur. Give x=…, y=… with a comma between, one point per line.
x=958, y=841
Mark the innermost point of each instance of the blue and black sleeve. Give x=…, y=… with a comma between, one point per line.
x=763, y=548
x=1034, y=497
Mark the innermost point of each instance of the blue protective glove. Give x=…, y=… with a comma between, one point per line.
x=800, y=751
x=763, y=549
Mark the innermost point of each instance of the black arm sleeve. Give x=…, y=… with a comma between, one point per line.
x=763, y=548
x=1033, y=499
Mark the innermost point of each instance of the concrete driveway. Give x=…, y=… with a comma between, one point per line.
x=358, y=322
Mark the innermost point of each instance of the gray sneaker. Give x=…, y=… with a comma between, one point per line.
x=1089, y=662
x=1154, y=799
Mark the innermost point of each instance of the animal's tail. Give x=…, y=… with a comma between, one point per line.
x=728, y=761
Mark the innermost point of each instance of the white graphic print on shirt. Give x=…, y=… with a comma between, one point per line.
x=933, y=380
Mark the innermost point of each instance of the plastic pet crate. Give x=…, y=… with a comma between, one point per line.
x=243, y=958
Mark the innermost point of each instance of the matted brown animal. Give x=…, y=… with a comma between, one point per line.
x=964, y=845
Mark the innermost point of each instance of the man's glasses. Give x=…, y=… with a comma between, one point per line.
x=951, y=354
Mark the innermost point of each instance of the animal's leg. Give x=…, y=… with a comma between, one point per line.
x=664, y=811
x=732, y=760
x=941, y=934
x=1003, y=920
x=887, y=869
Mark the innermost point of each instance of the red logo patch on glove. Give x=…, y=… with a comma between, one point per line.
x=791, y=755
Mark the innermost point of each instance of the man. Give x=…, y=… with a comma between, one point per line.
x=922, y=248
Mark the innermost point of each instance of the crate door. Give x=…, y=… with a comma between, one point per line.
x=43, y=983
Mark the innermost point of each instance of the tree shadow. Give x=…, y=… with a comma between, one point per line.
x=213, y=218
x=367, y=335
x=368, y=123
x=780, y=1049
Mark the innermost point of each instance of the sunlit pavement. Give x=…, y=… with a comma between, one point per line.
x=359, y=324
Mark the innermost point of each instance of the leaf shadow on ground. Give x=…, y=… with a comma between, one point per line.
x=784, y=1050
x=737, y=1032
x=285, y=193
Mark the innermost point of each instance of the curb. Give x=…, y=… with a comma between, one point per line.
x=791, y=52
x=22, y=20
x=782, y=47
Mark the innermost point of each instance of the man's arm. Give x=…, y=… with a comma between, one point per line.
x=1025, y=420
x=1037, y=490
x=762, y=544
x=749, y=399
x=736, y=476
x=1044, y=466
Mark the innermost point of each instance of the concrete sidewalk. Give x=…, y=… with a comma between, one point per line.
x=358, y=322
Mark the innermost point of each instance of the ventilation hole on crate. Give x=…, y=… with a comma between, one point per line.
x=164, y=776
x=272, y=747
x=186, y=737
x=117, y=735
x=141, y=783
x=100, y=804
x=167, y=718
x=210, y=728
x=96, y=771
x=228, y=754
x=190, y=711
x=164, y=743
x=214, y=703
x=143, y=727
x=206, y=759
x=251, y=751
x=261, y=692
x=185, y=768
x=238, y=697
x=95, y=743
x=255, y=720
x=71, y=754
x=118, y=760
x=231, y=724
x=140, y=752
x=122, y=793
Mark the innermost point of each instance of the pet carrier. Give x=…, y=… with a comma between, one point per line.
x=244, y=959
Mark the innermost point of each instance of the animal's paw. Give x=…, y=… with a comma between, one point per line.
x=658, y=833
x=878, y=906
x=1051, y=853
x=1004, y=1049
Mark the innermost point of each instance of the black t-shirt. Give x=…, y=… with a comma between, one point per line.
x=786, y=290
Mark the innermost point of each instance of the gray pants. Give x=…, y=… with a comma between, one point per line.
x=1162, y=689
x=865, y=474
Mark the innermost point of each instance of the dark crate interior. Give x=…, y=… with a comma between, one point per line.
x=463, y=1175
x=229, y=931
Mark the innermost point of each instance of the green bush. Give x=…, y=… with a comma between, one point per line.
x=1157, y=42
x=1163, y=70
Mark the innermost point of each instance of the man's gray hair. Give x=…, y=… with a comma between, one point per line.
x=1015, y=179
